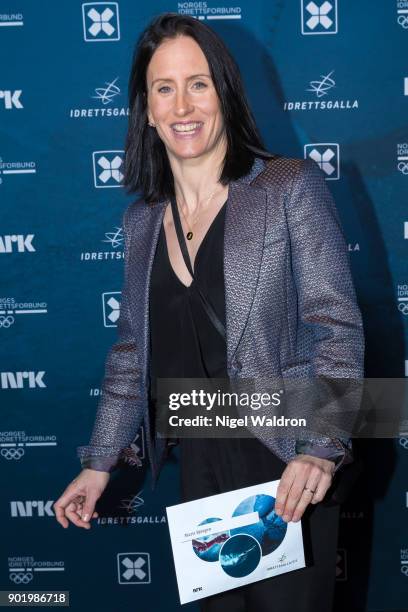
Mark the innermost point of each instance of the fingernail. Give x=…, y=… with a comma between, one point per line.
x=286, y=518
x=85, y=517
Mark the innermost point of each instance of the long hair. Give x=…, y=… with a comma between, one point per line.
x=147, y=168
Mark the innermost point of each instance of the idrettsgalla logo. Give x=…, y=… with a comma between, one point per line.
x=22, y=380
x=12, y=310
x=321, y=90
x=11, y=99
x=23, y=569
x=107, y=168
x=327, y=155
x=15, y=168
x=134, y=568
x=114, y=239
x=105, y=96
x=101, y=21
x=319, y=17
x=13, y=444
x=111, y=308
x=211, y=10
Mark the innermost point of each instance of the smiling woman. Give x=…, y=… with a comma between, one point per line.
x=262, y=287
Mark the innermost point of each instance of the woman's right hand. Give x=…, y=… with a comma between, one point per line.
x=77, y=503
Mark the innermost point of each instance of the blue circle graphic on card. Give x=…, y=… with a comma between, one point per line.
x=240, y=555
x=207, y=547
x=270, y=530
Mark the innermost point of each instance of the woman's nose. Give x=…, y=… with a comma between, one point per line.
x=182, y=103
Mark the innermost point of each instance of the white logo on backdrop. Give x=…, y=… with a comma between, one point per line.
x=101, y=21
x=319, y=17
x=22, y=569
x=107, y=167
x=115, y=238
x=134, y=568
x=108, y=93
x=22, y=380
x=111, y=308
x=12, y=243
x=11, y=98
x=16, y=168
x=202, y=10
x=327, y=155
x=11, y=19
x=321, y=88
x=10, y=307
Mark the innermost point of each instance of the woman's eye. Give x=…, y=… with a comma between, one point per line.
x=200, y=83
x=163, y=87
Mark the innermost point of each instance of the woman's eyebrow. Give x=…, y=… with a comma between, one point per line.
x=193, y=76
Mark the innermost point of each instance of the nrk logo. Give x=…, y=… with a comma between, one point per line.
x=10, y=309
x=22, y=380
x=23, y=569
x=106, y=96
x=115, y=239
x=341, y=564
x=111, y=308
x=404, y=561
x=402, y=14
x=327, y=155
x=11, y=99
x=319, y=17
x=101, y=21
x=402, y=298
x=321, y=88
x=402, y=158
x=17, y=243
x=134, y=568
x=16, y=168
x=31, y=509
x=107, y=168
x=202, y=10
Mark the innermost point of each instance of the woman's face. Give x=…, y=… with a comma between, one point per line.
x=182, y=101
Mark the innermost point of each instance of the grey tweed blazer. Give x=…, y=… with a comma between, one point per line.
x=291, y=307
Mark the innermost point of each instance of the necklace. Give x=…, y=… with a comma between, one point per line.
x=190, y=233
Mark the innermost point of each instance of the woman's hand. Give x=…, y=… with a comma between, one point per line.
x=304, y=481
x=78, y=501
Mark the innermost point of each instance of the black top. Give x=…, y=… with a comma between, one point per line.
x=183, y=341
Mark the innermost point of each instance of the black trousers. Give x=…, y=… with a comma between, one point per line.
x=210, y=466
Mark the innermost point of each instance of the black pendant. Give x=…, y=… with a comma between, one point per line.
x=189, y=235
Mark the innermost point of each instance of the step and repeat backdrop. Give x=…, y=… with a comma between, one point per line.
x=326, y=80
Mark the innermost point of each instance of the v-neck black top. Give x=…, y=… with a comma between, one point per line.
x=183, y=341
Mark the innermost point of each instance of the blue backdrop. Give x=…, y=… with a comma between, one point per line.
x=330, y=82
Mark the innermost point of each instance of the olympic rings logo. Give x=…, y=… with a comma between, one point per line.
x=404, y=443
x=12, y=453
x=20, y=578
x=403, y=307
x=404, y=569
x=6, y=321
x=403, y=167
x=403, y=21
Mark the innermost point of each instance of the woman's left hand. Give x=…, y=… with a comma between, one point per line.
x=304, y=481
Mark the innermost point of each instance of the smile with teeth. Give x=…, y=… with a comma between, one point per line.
x=186, y=127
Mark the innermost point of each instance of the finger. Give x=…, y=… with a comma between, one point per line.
x=284, y=486
x=306, y=497
x=74, y=518
x=59, y=507
x=321, y=488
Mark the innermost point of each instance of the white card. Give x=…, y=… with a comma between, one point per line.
x=231, y=539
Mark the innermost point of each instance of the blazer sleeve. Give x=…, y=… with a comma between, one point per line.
x=326, y=296
x=120, y=409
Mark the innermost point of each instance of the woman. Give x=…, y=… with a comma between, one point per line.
x=262, y=238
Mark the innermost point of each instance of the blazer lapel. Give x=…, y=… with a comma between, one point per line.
x=245, y=223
